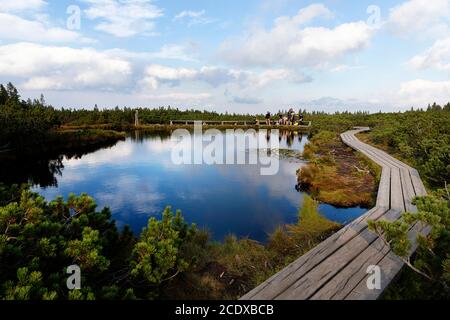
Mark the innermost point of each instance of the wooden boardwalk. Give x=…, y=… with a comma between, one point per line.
x=337, y=267
x=258, y=123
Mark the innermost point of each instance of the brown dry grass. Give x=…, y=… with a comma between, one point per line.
x=338, y=175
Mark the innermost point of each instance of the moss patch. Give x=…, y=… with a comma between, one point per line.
x=336, y=174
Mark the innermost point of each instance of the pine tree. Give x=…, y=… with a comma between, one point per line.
x=3, y=95
x=42, y=100
x=436, y=107
x=431, y=262
x=13, y=94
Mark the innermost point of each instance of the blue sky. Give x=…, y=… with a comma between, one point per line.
x=236, y=56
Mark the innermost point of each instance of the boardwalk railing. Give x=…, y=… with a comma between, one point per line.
x=338, y=267
x=305, y=124
x=212, y=122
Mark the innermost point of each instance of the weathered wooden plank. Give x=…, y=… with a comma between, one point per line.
x=384, y=189
x=374, y=156
x=389, y=266
x=348, y=278
x=346, y=138
x=280, y=281
x=396, y=191
x=417, y=183
x=381, y=162
x=407, y=186
x=306, y=286
x=380, y=154
x=404, y=175
x=408, y=190
x=392, y=160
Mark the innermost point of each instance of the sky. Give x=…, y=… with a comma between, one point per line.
x=235, y=56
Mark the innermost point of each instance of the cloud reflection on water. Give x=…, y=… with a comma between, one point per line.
x=137, y=179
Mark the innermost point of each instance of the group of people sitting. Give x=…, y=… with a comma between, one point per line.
x=290, y=119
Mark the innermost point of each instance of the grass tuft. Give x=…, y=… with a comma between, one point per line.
x=336, y=174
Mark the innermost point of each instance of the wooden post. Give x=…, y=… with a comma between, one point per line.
x=136, y=118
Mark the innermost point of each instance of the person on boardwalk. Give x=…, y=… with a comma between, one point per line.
x=268, y=118
x=290, y=116
x=280, y=119
x=295, y=118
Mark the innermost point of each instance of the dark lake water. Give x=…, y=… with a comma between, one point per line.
x=137, y=179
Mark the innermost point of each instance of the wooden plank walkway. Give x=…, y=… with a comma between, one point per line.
x=259, y=123
x=337, y=267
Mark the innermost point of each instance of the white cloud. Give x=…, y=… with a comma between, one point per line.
x=13, y=27
x=178, y=97
x=345, y=68
x=62, y=68
x=190, y=14
x=42, y=67
x=290, y=43
x=193, y=17
x=172, y=52
x=332, y=104
x=269, y=76
x=158, y=74
x=155, y=75
x=419, y=92
x=246, y=100
x=21, y=5
x=306, y=15
x=166, y=52
x=122, y=151
x=420, y=17
x=119, y=193
x=124, y=18
x=437, y=57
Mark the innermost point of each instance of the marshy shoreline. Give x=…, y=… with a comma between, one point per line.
x=334, y=171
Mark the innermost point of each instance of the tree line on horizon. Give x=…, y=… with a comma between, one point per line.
x=421, y=137
x=12, y=103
